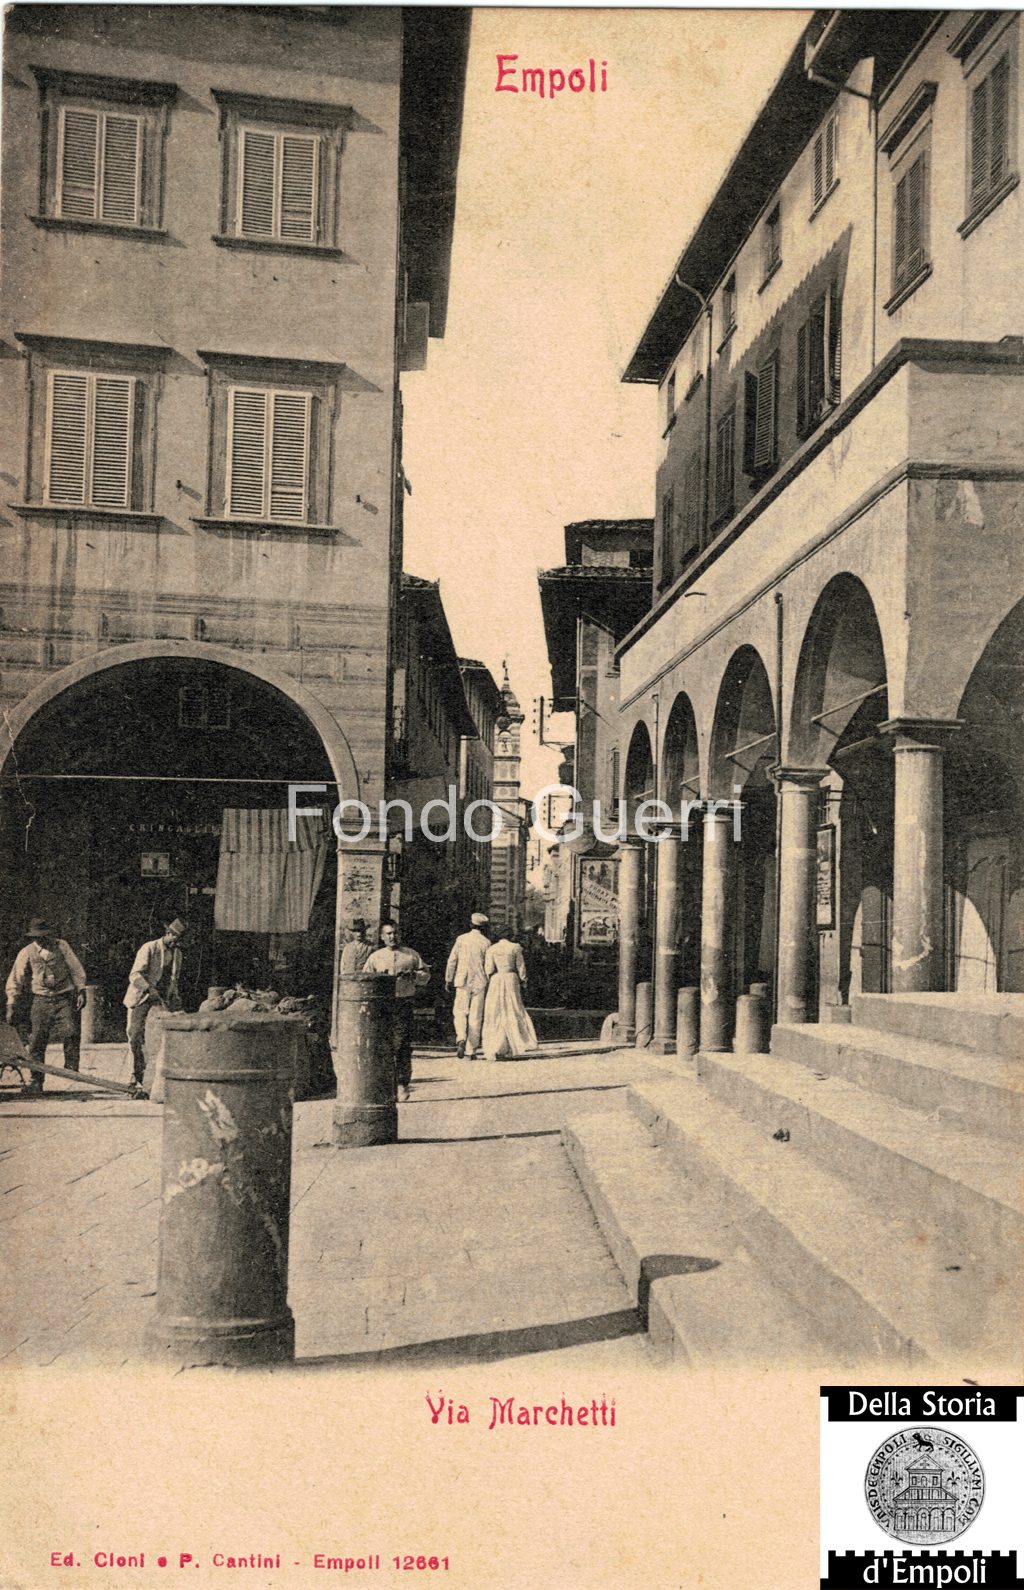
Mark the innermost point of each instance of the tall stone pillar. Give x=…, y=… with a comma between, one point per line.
x=359, y=893
x=797, y=932
x=666, y=940
x=918, y=873
x=716, y=993
x=630, y=871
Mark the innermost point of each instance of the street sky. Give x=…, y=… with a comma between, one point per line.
x=571, y=213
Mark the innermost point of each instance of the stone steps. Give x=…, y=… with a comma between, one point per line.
x=701, y=1296
x=954, y=1085
x=989, y=1024
x=966, y=1185
x=878, y=1286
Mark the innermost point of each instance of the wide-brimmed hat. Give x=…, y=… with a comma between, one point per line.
x=177, y=926
x=478, y=919
x=40, y=925
x=358, y=925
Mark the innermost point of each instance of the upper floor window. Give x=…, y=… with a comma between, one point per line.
x=102, y=150
x=667, y=529
x=696, y=355
x=271, y=422
x=771, y=242
x=670, y=399
x=910, y=224
x=89, y=431
x=729, y=306
x=989, y=134
x=826, y=160
x=281, y=166
x=761, y=417
x=819, y=353
x=725, y=465
x=692, y=503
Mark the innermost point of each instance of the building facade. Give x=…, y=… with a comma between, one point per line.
x=508, y=850
x=833, y=642
x=218, y=253
x=589, y=605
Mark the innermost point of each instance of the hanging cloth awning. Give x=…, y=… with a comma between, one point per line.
x=267, y=883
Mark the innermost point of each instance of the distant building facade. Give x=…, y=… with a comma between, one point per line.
x=225, y=230
x=837, y=589
x=509, y=848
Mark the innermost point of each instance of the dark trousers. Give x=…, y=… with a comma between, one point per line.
x=403, y=1042
x=54, y=1020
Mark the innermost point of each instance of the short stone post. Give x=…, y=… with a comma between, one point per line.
x=366, y=1109
x=644, y=1014
x=753, y=1024
x=92, y=1014
x=227, y=1152
x=687, y=1023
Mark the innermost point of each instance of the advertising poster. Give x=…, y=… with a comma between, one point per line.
x=511, y=757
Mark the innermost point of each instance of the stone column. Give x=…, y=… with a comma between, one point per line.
x=716, y=998
x=797, y=931
x=918, y=875
x=630, y=868
x=359, y=893
x=666, y=940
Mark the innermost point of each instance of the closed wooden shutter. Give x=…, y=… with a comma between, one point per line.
x=78, y=168
x=819, y=164
x=298, y=187
x=801, y=378
x=256, y=184
x=69, y=406
x=749, y=420
x=692, y=505
x=289, y=455
x=910, y=223
x=120, y=185
x=247, y=452
x=112, y=441
x=999, y=122
x=979, y=142
x=835, y=343
x=766, y=436
x=725, y=443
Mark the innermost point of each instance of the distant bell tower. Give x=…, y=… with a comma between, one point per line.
x=508, y=851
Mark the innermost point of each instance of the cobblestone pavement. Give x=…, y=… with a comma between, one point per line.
x=469, y=1240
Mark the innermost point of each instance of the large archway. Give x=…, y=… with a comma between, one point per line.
x=113, y=797
x=744, y=747
x=840, y=700
x=985, y=821
x=680, y=784
x=639, y=787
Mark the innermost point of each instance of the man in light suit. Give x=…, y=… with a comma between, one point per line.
x=465, y=973
x=153, y=981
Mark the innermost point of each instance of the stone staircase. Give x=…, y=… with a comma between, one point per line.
x=855, y=1197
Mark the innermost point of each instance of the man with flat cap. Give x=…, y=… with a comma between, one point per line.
x=357, y=951
x=465, y=973
x=153, y=981
x=50, y=967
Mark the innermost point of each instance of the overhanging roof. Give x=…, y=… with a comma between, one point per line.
x=435, y=44
x=782, y=127
x=616, y=598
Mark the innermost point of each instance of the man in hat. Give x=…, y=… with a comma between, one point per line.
x=357, y=951
x=465, y=973
x=153, y=980
x=51, y=968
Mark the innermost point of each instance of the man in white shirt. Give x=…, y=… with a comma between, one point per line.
x=410, y=972
x=465, y=973
x=153, y=980
x=57, y=980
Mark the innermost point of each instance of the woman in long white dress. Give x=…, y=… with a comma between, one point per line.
x=508, y=1032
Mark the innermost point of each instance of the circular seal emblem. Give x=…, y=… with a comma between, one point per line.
x=924, y=1486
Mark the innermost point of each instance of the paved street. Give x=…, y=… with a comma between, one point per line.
x=469, y=1240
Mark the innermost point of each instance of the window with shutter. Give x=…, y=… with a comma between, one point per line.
x=667, y=518
x=692, y=503
x=89, y=439
x=826, y=160
x=278, y=185
x=725, y=464
x=729, y=305
x=819, y=353
x=910, y=224
x=771, y=243
x=99, y=166
x=766, y=441
x=990, y=133
x=268, y=454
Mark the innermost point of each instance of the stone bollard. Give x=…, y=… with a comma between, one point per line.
x=366, y=1109
x=687, y=1023
x=644, y=1014
x=223, y=1271
x=751, y=1025
x=92, y=1014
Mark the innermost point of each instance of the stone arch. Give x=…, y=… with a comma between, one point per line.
x=335, y=743
x=743, y=737
x=840, y=693
x=639, y=769
x=680, y=754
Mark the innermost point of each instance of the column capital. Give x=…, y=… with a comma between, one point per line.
x=631, y=842
x=920, y=734
x=799, y=777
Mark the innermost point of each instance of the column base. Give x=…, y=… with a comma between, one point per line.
x=364, y=1125
x=197, y=1343
x=661, y=1045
